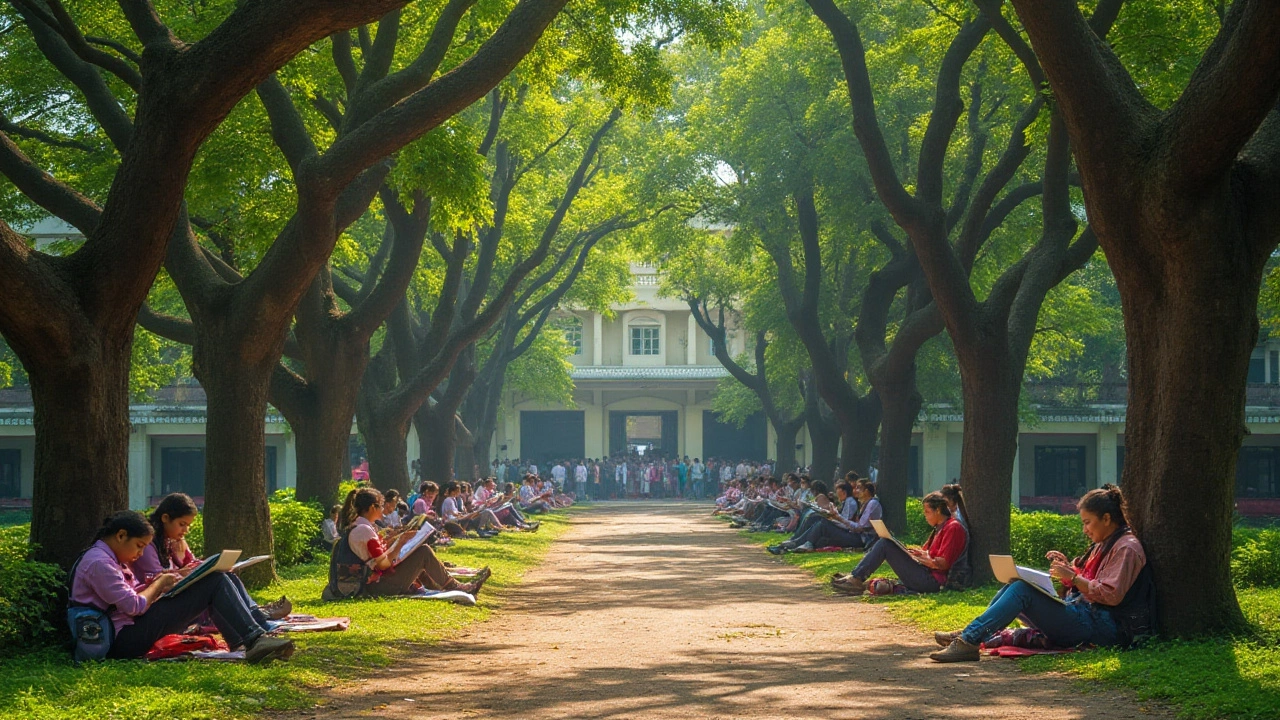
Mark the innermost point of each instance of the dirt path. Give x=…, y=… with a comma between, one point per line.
x=649, y=610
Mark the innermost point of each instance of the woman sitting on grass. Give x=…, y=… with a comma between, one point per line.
x=141, y=615
x=362, y=565
x=531, y=499
x=920, y=570
x=455, y=510
x=168, y=552
x=1108, y=591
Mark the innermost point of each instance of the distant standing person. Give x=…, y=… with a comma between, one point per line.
x=580, y=479
x=697, y=471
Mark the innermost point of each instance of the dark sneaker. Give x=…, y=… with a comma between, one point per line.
x=775, y=549
x=278, y=609
x=266, y=649
x=957, y=651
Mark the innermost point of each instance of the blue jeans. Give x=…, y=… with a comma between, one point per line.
x=1066, y=625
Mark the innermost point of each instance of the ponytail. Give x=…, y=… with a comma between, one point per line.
x=131, y=521
x=953, y=493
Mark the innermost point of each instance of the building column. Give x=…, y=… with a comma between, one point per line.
x=933, y=457
x=139, y=468
x=1107, y=452
x=593, y=440
x=691, y=346
x=597, y=339
x=287, y=463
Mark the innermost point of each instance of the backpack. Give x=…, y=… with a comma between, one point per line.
x=348, y=574
x=960, y=574
x=92, y=631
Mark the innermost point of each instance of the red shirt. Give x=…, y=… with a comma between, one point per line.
x=948, y=542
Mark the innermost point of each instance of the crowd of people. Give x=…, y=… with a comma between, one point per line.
x=1104, y=597
x=380, y=545
x=636, y=476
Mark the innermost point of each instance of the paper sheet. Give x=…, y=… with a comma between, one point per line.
x=221, y=562
x=1006, y=571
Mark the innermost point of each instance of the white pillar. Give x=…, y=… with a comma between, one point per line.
x=691, y=346
x=933, y=457
x=1107, y=442
x=139, y=468
x=597, y=339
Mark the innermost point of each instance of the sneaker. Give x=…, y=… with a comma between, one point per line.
x=807, y=547
x=957, y=651
x=839, y=578
x=266, y=649
x=278, y=609
x=775, y=549
x=851, y=586
x=945, y=638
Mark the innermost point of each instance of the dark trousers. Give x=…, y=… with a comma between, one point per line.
x=217, y=594
x=915, y=576
x=828, y=534
x=807, y=523
x=422, y=565
x=768, y=515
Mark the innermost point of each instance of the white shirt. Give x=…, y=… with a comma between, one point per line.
x=580, y=473
x=696, y=471
x=533, y=469
x=620, y=472
x=450, y=508
x=557, y=472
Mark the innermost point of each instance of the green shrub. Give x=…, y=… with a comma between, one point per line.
x=1032, y=534
x=30, y=593
x=1256, y=562
x=344, y=488
x=293, y=525
x=195, y=536
x=917, y=528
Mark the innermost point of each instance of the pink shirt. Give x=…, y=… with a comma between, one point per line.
x=102, y=581
x=150, y=564
x=1118, y=571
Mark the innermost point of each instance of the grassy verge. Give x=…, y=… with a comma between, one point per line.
x=1203, y=679
x=11, y=517
x=44, y=685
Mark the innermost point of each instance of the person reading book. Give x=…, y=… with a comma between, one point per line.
x=169, y=552
x=922, y=570
x=140, y=612
x=1107, y=592
x=823, y=527
x=362, y=565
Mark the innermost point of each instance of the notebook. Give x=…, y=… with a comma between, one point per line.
x=1006, y=571
x=218, y=562
x=249, y=563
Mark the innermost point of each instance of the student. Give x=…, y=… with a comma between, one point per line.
x=821, y=532
x=531, y=501
x=1108, y=591
x=920, y=570
x=955, y=501
x=140, y=614
x=454, y=509
x=169, y=553
x=329, y=528
x=363, y=566
x=390, y=510
x=427, y=493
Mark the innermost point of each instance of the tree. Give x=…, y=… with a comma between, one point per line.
x=991, y=336
x=1183, y=203
x=70, y=319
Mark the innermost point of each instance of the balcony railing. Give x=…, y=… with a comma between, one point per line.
x=1052, y=394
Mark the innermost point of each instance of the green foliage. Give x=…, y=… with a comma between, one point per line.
x=29, y=593
x=195, y=536
x=1032, y=534
x=293, y=526
x=344, y=489
x=1256, y=563
x=44, y=685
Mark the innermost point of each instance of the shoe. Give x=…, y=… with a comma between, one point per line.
x=473, y=588
x=266, y=649
x=945, y=638
x=775, y=549
x=957, y=651
x=278, y=609
x=851, y=586
x=807, y=547
x=839, y=578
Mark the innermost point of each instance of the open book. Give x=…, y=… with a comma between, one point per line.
x=219, y=562
x=249, y=563
x=1006, y=571
x=413, y=543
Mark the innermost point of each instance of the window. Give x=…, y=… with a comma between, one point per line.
x=711, y=347
x=1060, y=471
x=572, y=328
x=1258, y=368
x=1258, y=472
x=10, y=473
x=644, y=340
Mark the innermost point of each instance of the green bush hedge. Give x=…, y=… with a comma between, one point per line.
x=293, y=526
x=1256, y=562
x=1031, y=534
x=31, y=593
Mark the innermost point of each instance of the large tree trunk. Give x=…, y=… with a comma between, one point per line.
x=900, y=405
x=236, y=513
x=1188, y=364
x=990, y=389
x=825, y=437
x=464, y=459
x=438, y=441
x=322, y=441
x=482, y=448
x=784, y=455
x=858, y=438
x=387, y=450
x=82, y=450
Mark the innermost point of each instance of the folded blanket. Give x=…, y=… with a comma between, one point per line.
x=1012, y=652
x=311, y=623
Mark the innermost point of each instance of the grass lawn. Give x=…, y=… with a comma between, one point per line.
x=45, y=685
x=9, y=518
x=1203, y=679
